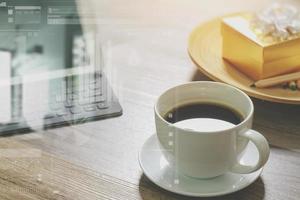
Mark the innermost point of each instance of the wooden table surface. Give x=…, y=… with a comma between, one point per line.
x=145, y=51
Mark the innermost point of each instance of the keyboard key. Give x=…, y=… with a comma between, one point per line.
x=86, y=93
x=92, y=81
x=102, y=105
x=93, y=77
x=69, y=104
x=75, y=90
x=49, y=116
x=84, y=101
x=73, y=96
x=76, y=83
x=99, y=99
x=92, y=100
x=69, y=90
x=98, y=92
x=98, y=75
x=77, y=118
x=75, y=110
x=90, y=108
x=62, y=112
x=93, y=86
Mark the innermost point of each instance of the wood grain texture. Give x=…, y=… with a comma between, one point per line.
x=145, y=46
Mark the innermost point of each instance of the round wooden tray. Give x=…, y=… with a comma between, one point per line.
x=205, y=49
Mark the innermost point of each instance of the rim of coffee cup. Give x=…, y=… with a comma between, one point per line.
x=214, y=83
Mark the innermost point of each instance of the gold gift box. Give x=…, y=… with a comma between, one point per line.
x=254, y=56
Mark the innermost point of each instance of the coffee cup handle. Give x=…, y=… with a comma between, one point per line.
x=263, y=150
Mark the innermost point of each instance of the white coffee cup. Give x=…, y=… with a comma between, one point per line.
x=203, y=153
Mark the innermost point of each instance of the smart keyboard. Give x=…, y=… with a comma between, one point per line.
x=80, y=98
x=67, y=100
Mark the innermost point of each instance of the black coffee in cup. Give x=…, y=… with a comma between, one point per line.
x=203, y=110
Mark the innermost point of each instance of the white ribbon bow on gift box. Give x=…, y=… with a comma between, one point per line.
x=280, y=21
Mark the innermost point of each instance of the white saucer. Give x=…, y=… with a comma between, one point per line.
x=159, y=171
